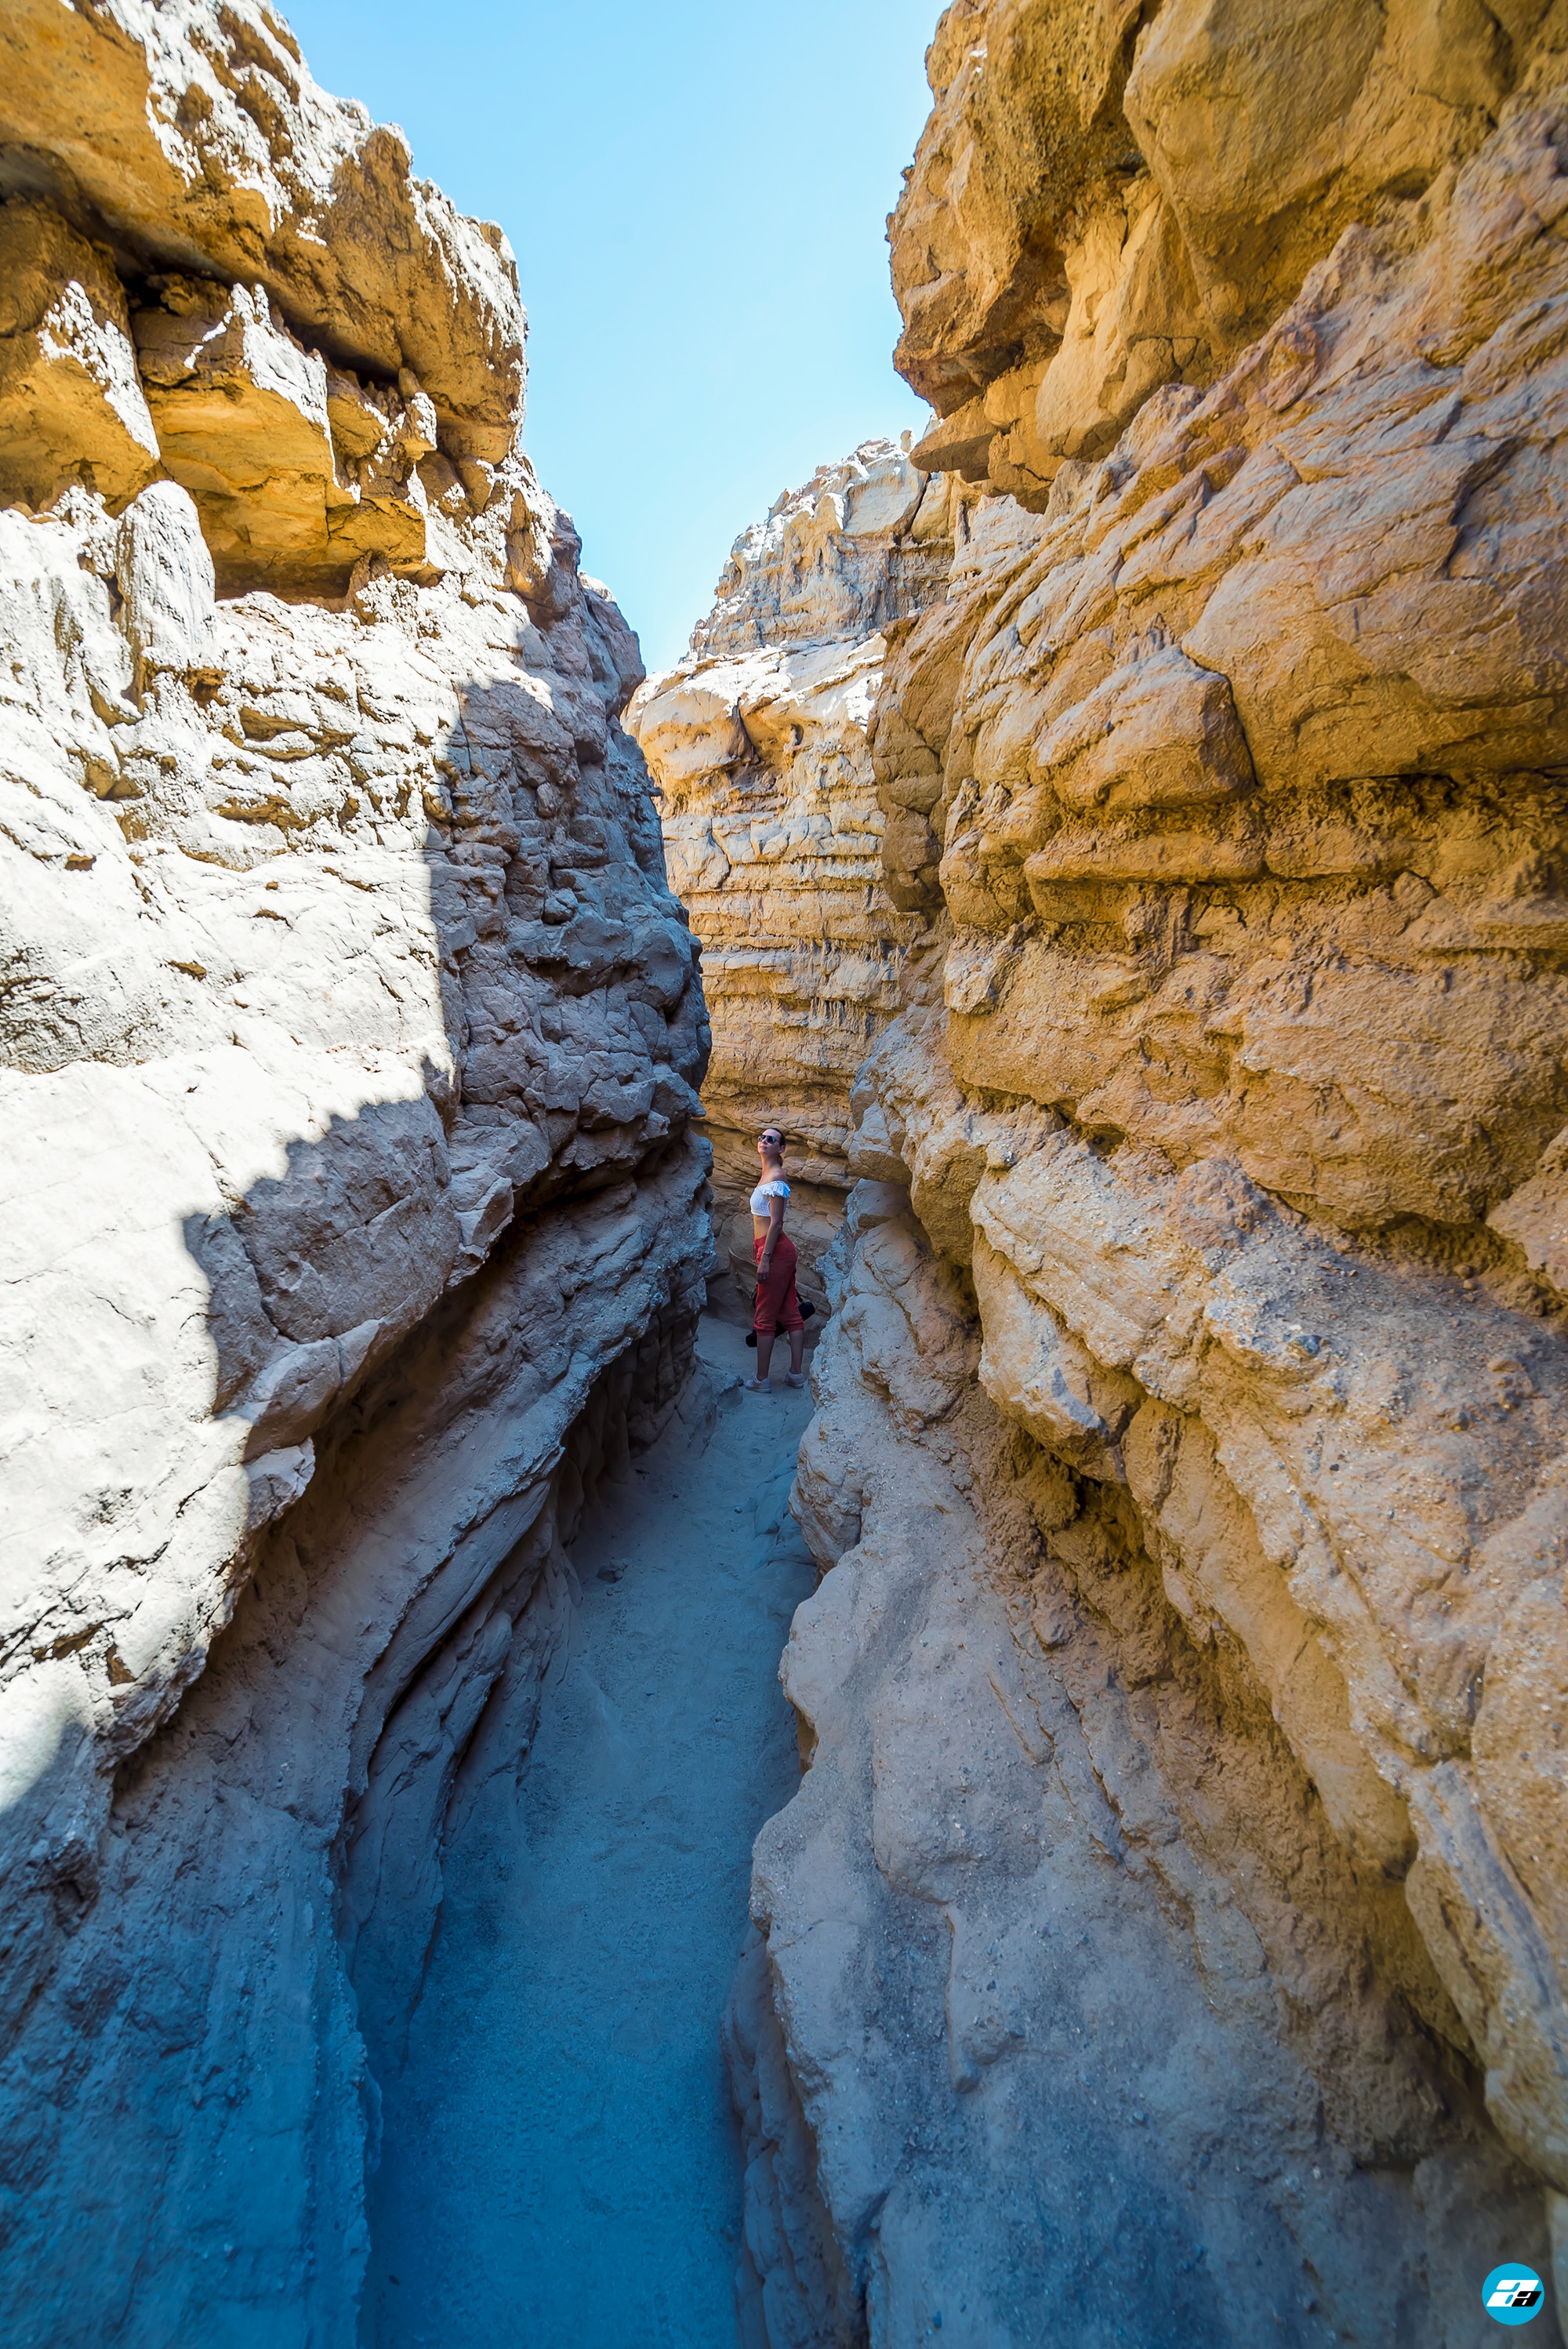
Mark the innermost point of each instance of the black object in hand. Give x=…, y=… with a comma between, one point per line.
x=807, y=1309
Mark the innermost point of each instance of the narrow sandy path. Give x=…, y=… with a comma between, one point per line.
x=561, y=2166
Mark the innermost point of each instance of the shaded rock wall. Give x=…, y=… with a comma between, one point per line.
x=1177, y=1877
x=353, y=1217
x=772, y=822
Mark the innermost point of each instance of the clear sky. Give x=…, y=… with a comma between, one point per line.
x=697, y=192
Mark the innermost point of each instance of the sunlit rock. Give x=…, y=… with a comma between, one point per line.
x=771, y=824
x=71, y=406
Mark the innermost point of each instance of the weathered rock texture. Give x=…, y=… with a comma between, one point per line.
x=212, y=271
x=352, y=1217
x=1168, y=1943
x=772, y=822
x=1109, y=199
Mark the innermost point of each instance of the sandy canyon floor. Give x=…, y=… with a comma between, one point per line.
x=560, y=2165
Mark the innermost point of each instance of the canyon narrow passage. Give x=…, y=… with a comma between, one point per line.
x=560, y=2162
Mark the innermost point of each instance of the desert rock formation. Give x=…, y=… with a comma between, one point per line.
x=773, y=821
x=353, y=1217
x=1177, y=1891
x=1126, y=832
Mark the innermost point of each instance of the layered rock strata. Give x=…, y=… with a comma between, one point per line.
x=215, y=274
x=353, y=1217
x=1082, y=225
x=1175, y=1894
x=772, y=822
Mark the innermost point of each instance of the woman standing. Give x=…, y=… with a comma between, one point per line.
x=774, y=1253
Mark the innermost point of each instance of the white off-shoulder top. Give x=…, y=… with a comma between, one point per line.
x=766, y=1190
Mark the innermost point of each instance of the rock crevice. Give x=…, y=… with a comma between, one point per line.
x=1124, y=837
x=773, y=824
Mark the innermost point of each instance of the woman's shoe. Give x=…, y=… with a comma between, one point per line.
x=757, y=1386
x=794, y=1378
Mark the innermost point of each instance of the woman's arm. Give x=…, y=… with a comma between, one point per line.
x=775, y=1226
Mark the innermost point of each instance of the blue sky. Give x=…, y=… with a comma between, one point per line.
x=697, y=195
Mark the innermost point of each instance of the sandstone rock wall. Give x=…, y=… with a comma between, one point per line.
x=772, y=823
x=215, y=274
x=1109, y=199
x=352, y=1213
x=1177, y=1885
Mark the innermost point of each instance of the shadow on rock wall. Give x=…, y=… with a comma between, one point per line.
x=428, y=1335
x=351, y=1216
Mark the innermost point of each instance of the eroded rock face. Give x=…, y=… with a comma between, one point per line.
x=216, y=274
x=72, y=403
x=353, y=1218
x=1181, y=1851
x=192, y=137
x=772, y=822
x=1100, y=204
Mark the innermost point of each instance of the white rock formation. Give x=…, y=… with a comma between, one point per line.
x=352, y=1219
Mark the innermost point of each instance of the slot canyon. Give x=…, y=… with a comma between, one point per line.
x=1120, y=835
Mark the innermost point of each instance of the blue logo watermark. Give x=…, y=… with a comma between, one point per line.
x=1513, y=2294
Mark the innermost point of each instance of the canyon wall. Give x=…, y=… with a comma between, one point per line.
x=772, y=825
x=354, y=1221
x=1167, y=1942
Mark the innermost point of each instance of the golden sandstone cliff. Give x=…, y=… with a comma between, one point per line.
x=1167, y=1942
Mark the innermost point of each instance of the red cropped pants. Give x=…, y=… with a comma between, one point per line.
x=778, y=1307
